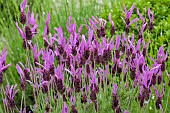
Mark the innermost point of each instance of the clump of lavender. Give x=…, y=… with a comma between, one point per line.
x=29, y=30
x=115, y=101
x=67, y=68
x=10, y=93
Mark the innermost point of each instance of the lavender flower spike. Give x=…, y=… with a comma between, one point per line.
x=23, y=17
x=117, y=47
x=65, y=108
x=128, y=13
x=112, y=28
x=141, y=17
x=3, y=66
x=114, y=89
x=46, y=28
x=22, y=5
x=10, y=94
x=20, y=31
x=150, y=19
x=159, y=97
x=22, y=78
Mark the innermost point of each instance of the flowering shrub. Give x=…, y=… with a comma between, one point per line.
x=91, y=71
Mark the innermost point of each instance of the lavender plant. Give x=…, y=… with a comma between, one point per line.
x=88, y=71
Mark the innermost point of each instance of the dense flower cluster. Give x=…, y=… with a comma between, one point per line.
x=87, y=64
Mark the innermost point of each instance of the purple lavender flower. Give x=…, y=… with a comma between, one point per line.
x=112, y=27
x=141, y=17
x=150, y=19
x=115, y=101
x=123, y=43
x=143, y=24
x=61, y=40
x=141, y=97
x=71, y=27
x=146, y=78
x=10, y=93
x=20, y=32
x=159, y=97
x=161, y=58
x=84, y=48
x=118, y=109
x=28, y=31
x=144, y=47
x=125, y=111
x=3, y=66
x=127, y=18
x=114, y=89
x=36, y=54
x=46, y=28
x=73, y=107
x=73, y=40
x=94, y=86
x=44, y=86
x=117, y=47
x=94, y=23
x=22, y=14
x=48, y=67
x=64, y=108
x=128, y=13
x=22, y=78
x=76, y=78
x=59, y=78
x=107, y=50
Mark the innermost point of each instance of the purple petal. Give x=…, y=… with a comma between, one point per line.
x=80, y=28
x=61, y=40
x=90, y=36
x=48, y=19
x=134, y=20
x=104, y=42
x=138, y=45
x=20, y=31
x=114, y=89
x=117, y=42
x=126, y=111
x=93, y=81
x=125, y=8
x=156, y=91
x=143, y=27
x=141, y=90
x=19, y=70
x=22, y=5
x=128, y=14
x=5, y=67
x=28, y=16
x=149, y=13
x=106, y=71
x=140, y=16
x=162, y=94
x=65, y=108
x=160, y=53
